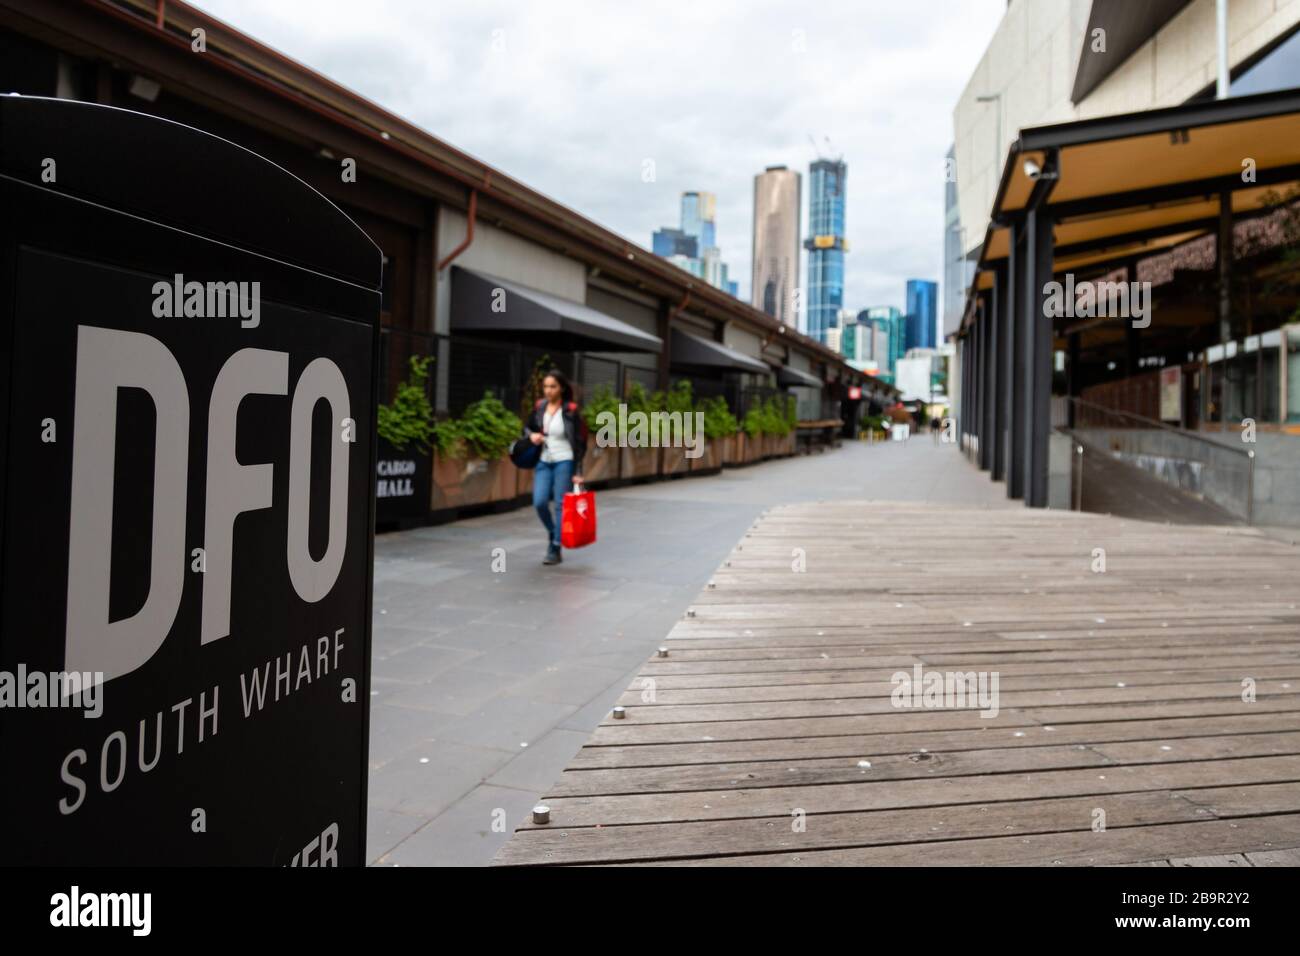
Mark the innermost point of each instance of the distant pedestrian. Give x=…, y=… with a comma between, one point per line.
x=556, y=423
x=935, y=427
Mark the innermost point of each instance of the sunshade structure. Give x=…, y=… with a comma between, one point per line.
x=1080, y=201
x=692, y=350
x=788, y=377
x=481, y=303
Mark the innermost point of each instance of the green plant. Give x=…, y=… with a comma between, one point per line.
x=718, y=420
x=485, y=430
x=787, y=411
x=776, y=415
x=602, y=399
x=679, y=398
x=638, y=401
x=875, y=423
x=410, y=417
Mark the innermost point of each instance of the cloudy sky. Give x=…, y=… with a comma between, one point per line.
x=572, y=97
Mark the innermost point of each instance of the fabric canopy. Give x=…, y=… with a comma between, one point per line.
x=478, y=306
x=688, y=349
x=793, y=378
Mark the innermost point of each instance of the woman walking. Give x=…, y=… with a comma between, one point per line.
x=557, y=424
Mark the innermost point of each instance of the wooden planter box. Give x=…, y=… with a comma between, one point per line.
x=753, y=448
x=600, y=464
x=733, y=450
x=714, y=453
x=638, y=462
x=673, y=461
x=523, y=481
x=461, y=482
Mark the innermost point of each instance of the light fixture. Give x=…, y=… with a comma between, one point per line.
x=144, y=88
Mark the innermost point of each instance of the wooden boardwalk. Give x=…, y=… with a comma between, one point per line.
x=770, y=735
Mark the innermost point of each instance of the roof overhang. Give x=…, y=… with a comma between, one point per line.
x=1120, y=187
x=1125, y=26
x=794, y=378
x=688, y=349
x=484, y=303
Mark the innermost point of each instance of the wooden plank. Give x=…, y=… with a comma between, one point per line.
x=1223, y=859
x=620, y=809
x=771, y=734
x=694, y=840
x=855, y=745
x=769, y=773
x=1275, y=858
x=1127, y=845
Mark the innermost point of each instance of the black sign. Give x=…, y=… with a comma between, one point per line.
x=402, y=477
x=190, y=337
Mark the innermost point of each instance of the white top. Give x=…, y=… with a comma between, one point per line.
x=557, y=442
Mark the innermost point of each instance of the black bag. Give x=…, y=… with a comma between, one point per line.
x=524, y=453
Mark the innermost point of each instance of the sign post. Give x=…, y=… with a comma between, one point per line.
x=190, y=340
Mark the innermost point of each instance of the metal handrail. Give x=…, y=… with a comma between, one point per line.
x=1159, y=424
x=1249, y=454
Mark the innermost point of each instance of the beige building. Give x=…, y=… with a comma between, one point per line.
x=776, y=243
x=1056, y=61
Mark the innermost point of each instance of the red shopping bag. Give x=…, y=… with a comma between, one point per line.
x=578, y=518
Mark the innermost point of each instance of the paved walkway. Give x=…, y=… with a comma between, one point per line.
x=485, y=684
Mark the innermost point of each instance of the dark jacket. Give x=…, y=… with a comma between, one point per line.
x=575, y=428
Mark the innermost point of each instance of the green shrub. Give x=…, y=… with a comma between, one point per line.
x=603, y=399
x=718, y=420
x=638, y=401
x=679, y=398
x=774, y=416
x=486, y=431
x=410, y=418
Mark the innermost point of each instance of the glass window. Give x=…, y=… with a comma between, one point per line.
x=1279, y=69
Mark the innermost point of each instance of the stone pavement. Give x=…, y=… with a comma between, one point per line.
x=485, y=683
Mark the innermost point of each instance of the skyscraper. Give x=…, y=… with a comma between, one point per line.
x=826, y=245
x=777, y=194
x=674, y=242
x=694, y=247
x=887, y=321
x=922, y=312
x=699, y=218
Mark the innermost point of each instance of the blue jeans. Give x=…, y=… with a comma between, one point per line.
x=550, y=482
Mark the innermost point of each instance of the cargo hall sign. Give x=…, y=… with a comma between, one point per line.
x=188, y=503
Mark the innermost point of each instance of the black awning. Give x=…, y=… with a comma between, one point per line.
x=793, y=378
x=532, y=315
x=688, y=349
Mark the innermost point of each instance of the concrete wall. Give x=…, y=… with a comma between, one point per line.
x=1221, y=477
x=1060, y=471
x=742, y=341
x=503, y=254
x=637, y=314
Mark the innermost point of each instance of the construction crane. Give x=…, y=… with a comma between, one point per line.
x=817, y=149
